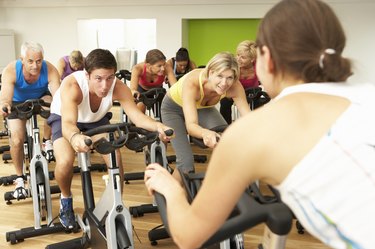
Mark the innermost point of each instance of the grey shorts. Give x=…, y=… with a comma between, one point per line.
x=54, y=121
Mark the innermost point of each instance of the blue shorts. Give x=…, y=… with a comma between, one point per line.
x=54, y=121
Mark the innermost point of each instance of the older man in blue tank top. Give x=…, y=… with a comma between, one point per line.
x=30, y=77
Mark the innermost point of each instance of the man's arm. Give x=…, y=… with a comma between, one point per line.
x=123, y=94
x=71, y=97
x=8, y=81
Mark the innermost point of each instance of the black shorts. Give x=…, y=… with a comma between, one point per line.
x=54, y=121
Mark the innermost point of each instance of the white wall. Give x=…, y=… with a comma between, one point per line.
x=7, y=47
x=358, y=20
x=54, y=23
x=115, y=34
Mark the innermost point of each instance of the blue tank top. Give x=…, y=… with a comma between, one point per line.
x=24, y=90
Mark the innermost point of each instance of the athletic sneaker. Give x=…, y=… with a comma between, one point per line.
x=67, y=218
x=20, y=191
x=48, y=150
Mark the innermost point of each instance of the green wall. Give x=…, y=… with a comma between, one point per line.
x=206, y=37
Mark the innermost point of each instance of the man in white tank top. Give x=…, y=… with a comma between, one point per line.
x=83, y=101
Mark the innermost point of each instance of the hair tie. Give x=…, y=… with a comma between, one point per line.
x=327, y=51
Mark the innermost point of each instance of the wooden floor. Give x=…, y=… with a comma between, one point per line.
x=20, y=215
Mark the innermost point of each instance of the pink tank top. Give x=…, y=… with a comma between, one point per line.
x=252, y=82
x=144, y=83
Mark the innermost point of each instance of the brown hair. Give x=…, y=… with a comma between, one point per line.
x=98, y=59
x=154, y=55
x=298, y=34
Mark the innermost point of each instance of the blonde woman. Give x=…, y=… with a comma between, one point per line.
x=189, y=106
x=246, y=57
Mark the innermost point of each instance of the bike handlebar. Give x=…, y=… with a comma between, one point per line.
x=134, y=138
x=151, y=96
x=88, y=141
x=169, y=132
x=29, y=108
x=255, y=93
x=123, y=74
x=246, y=214
x=199, y=141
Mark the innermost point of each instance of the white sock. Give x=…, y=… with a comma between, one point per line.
x=19, y=182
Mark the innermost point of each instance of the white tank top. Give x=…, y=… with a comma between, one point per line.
x=332, y=189
x=85, y=114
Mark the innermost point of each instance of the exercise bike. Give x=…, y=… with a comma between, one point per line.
x=108, y=223
x=247, y=214
x=152, y=100
x=159, y=232
x=7, y=180
x=123, y=74
x=255, y=97
x=36, y=171
x=154, y=153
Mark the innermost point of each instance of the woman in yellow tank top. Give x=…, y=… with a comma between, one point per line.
x=189, y=106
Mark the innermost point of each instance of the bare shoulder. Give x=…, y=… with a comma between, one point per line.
x=70, y=83
x=119, y=89
x=192, y=78
x=10, y=68
x=277, y=136
x=9, y=73
x=235, y=89
x=138, y=67
x=194, y=74
x=70, y=90
x=169, y=62
x=263, y=142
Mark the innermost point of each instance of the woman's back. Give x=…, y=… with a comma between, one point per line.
x=338, y=167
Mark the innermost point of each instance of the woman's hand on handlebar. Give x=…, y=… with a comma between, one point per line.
x=80, y=143
x=165, y=132
x=210, y=138
x=160, y=180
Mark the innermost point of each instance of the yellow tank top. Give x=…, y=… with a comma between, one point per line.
x=176, y=92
